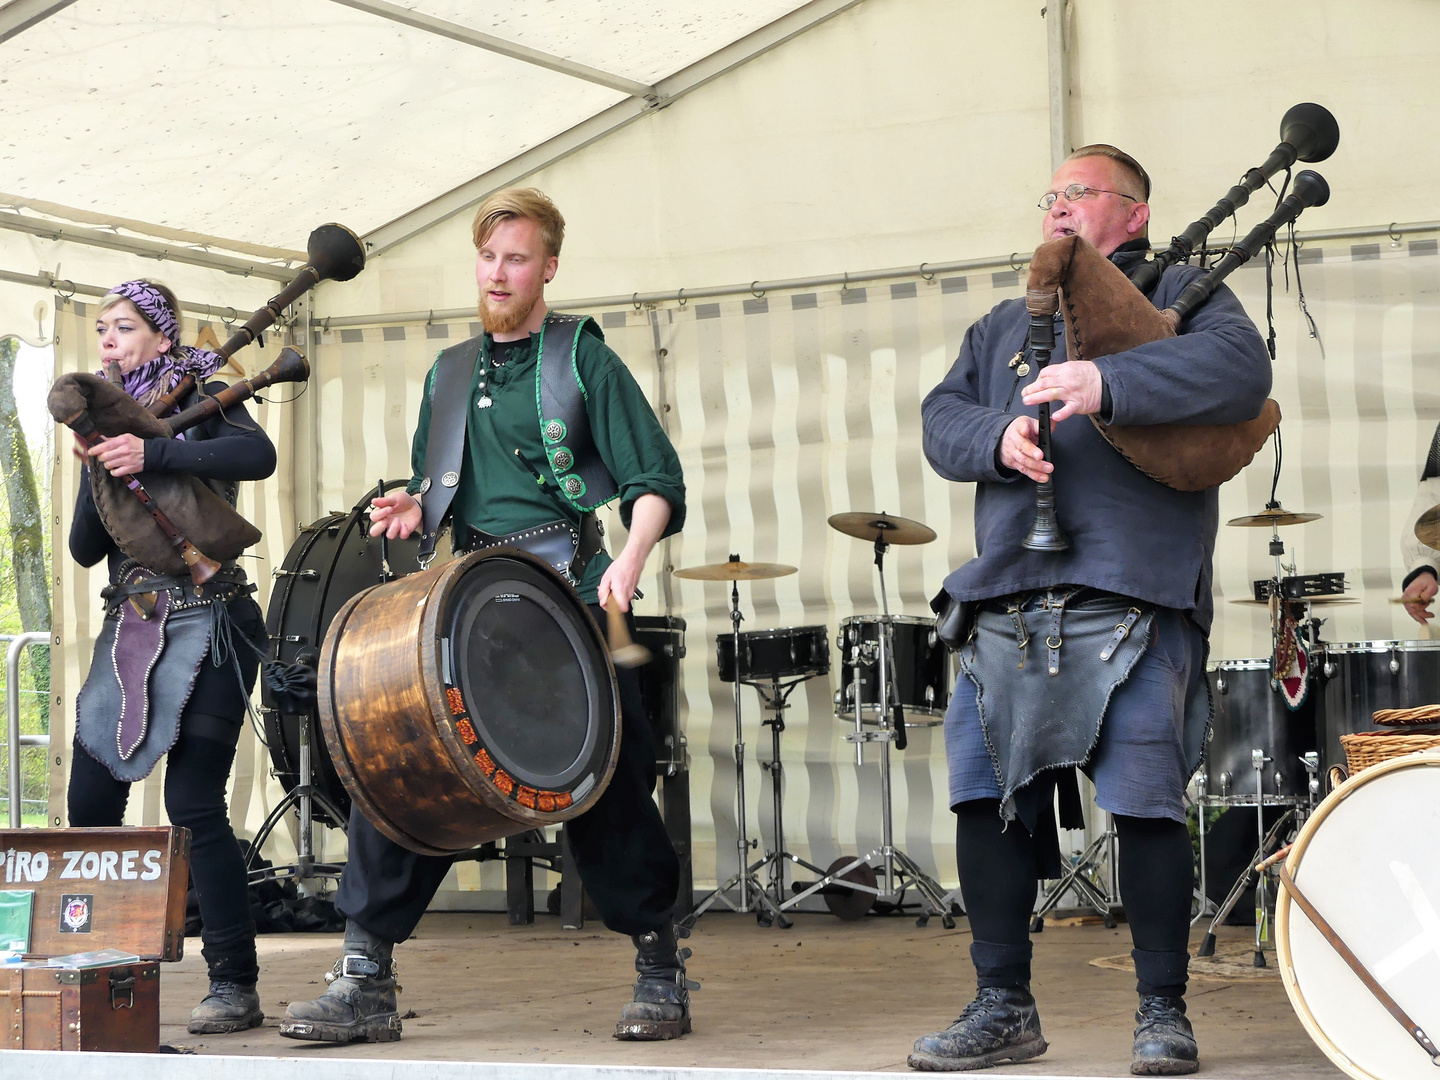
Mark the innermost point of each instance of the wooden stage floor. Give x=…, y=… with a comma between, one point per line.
x=823, y=995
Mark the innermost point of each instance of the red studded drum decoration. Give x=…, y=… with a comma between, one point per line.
x=469, y=702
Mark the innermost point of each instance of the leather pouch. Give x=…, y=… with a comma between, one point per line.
x=954, y=619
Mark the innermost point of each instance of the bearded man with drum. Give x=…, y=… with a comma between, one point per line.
x=1094, y=656
x=490, y=427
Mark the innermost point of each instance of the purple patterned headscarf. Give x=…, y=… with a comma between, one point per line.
x=157, y=376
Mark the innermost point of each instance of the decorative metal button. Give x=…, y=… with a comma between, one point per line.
x=424, y=486
x=450, y=479
x=563, y=459
x=573, y=485
x=554, y=431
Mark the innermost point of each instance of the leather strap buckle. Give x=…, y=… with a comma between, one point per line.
x=358, y=967
x=1122, y=631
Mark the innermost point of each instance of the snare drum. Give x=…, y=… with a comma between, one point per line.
x=1250, y=715
x=1363, y=676
x=1365, y=861
x=920, y=680
x=791, y=652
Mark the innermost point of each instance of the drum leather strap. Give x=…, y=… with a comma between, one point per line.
x=445, y=443
x=566, y=548
x=1328, y=932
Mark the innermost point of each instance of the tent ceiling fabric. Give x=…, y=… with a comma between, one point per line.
x=644, y=40
x=257, y=122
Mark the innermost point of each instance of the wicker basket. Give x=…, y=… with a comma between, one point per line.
x=1421, y=714
x=1367, y=748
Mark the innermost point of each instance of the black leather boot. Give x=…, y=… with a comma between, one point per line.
x=1164, y=1040
x=1001, y=1024
x=661, y=1009
x=229, y=1006
x=360, y=1002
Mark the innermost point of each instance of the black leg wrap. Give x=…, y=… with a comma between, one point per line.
x=1001, y=965
x=1161, y=974
x=661, y=1009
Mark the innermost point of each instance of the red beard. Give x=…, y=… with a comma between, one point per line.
x=506, y=317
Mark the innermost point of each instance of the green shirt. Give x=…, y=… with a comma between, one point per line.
x=497, y=494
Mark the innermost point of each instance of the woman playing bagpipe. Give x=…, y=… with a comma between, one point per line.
x=171, y=674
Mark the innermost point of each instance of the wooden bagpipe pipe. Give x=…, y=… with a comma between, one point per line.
x=1106, y=312
x=174, y=523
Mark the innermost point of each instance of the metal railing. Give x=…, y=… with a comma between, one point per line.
x=18, y=644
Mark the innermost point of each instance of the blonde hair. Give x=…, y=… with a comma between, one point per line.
x=1133, y=168
x=510, y=203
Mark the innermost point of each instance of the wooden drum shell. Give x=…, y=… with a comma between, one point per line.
x=394, y=726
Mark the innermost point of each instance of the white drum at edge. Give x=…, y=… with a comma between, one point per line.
x=1369, y=861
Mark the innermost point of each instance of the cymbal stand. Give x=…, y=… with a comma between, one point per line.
x=765, y=910
x=774, y=698
x=900, y=871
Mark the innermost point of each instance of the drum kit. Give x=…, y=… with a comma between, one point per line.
x=892, y=668
x=1278, y=720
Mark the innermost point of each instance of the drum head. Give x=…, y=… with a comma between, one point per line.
x=1365, y=860
x=532, y=671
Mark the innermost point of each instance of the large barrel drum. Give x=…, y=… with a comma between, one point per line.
x=469, y=702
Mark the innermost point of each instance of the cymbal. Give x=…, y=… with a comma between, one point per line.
x=1325, y=598
x=866, y=525
x=1427, y=527
x=736, y=571
x=1278, y=515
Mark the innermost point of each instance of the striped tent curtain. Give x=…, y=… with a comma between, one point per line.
x=789, y=407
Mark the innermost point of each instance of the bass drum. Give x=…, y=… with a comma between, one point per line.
x=469, y=702
x=1364, y=861
x=329, y=562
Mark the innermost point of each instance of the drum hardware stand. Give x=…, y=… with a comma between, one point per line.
x=301, y=796
x=900, y=871
x=1083, y=878
x=766, y=911
x=775, y=698
x=1269, y=840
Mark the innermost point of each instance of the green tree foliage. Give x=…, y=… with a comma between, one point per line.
x=24, y=583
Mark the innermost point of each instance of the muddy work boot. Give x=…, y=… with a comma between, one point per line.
x=1001, y=1024
x=661, y=1009
x=1164, y=1040
x=360, y=1002
x=229, y=1006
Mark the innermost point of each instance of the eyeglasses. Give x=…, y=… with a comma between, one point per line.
x=1076, y=192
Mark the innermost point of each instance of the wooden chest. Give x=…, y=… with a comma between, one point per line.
x=105, y=1008
x=94, y=889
